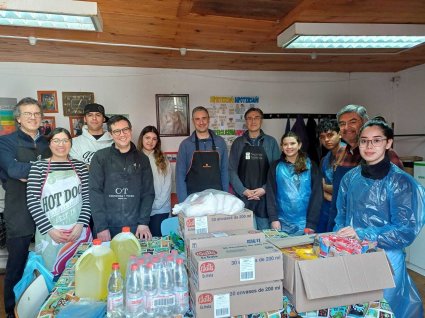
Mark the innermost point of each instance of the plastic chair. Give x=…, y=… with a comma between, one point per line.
x=169, y=225
x=32, y=298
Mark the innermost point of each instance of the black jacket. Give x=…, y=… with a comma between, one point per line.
x=121, y=188
x=17, y=151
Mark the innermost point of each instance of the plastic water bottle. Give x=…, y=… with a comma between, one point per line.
x=166, y=298
x=133, y=294
x=181, y=288
x=131, y=260
x=150, y=289
x=115, y=307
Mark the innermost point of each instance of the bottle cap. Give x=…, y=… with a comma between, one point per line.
x=140, y=261
x=134, y=267
x=97, y=241
x=149, y=265
x=179, y=261
x=115, y=266
x=126, y=229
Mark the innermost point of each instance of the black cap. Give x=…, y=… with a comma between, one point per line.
x=95, y=108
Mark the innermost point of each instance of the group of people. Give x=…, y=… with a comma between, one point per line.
x=101, y=181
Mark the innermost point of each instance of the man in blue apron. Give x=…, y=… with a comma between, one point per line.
x=17, y=151
x=202, y=159
x=350, y=119
x=250, y=157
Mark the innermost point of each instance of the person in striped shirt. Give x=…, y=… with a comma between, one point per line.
x=58, y=200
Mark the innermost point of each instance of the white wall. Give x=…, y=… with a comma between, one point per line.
x=132, y=91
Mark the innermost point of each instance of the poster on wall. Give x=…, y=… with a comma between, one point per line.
x=226, y=115
x=7, y=122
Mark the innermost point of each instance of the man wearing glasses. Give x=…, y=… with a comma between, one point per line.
x=250, y=158
x=350, y=119
x=121, y=185
x=93, y=138
x=17, y=151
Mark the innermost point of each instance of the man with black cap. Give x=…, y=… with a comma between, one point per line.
x=93, y=137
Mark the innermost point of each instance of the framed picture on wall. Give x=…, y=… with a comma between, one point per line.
x=48, y=101
x=76, y=124
x=172, y=114
x=74, y=102
x=47, y=125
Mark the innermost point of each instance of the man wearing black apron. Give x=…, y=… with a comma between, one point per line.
x=17, y=151
x=202, y=159
x=250, y=157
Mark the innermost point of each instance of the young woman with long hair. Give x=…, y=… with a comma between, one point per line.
x=294, y=189
x=150, y=144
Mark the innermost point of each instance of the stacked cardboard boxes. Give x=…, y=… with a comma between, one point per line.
x=232, y=270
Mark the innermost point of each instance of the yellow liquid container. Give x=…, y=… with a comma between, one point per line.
x=92, y=271
x=124, y=245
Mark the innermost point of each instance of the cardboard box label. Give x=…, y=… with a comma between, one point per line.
x=247, y=269
x=221, y=305
x=201, y=225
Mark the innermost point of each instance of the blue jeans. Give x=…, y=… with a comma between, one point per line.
x=261, y=223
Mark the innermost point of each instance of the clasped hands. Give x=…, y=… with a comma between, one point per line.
x=62, y=236
x=254, y=194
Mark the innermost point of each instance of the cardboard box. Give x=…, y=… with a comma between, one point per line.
x=215, y=223
x=223, y=266
x=336, y=281
x=236, y=300
x=224, y=238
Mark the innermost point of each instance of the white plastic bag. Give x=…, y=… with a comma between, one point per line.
x=209, y=202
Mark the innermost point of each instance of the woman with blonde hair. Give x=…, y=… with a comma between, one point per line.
x=150, y=144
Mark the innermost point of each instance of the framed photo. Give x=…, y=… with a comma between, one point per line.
x=47, y=125
x=48, y=101
x=76, y=124
x=74, y=102
x=172, y=114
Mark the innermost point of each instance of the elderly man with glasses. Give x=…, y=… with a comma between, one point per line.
x=350, y=119
x=121, y=185
x=17, y=151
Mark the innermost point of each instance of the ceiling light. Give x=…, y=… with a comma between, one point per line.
x=351, y=36
x=54, y=14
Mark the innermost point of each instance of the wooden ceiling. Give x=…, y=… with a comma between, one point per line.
x=248, y=26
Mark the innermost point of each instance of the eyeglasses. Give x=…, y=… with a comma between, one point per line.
x=125, y=131
x=376, y=142
x=350, y=123
x=58, y=141
x=29, y=115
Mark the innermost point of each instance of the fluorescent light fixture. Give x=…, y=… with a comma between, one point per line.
x=351, y=36
x=53, y=14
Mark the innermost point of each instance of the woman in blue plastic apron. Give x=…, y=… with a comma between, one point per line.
x=379, y=202
x=294, y=189
x=58, y=200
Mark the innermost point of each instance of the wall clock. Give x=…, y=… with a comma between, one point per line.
x=74, y=102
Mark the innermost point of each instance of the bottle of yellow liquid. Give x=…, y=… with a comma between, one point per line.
x=124, y=245
x=92, y=271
